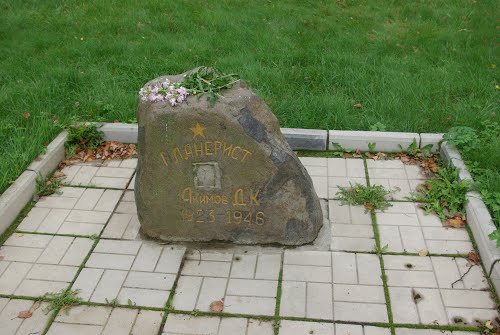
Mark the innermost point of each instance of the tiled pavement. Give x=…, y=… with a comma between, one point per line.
x=87, y=238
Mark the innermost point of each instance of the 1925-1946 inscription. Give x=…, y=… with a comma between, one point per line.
x=224, y=173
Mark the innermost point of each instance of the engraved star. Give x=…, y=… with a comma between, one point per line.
x=198, y=130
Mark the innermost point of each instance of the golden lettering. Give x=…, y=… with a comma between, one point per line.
x=238, y=198
x=164, y=159
x=187, y=195
x=259, y=218
x=211, y=216
x=199, y=213
x=198, y=151
x=237, y=217
x=208, y=151
x=176, y=152
x=253, y=198
x=233, y=151
x=246, y=154
x=224, y=200
x=188, y=152
x=248, y=218
x=217, y=147
x=227, y=149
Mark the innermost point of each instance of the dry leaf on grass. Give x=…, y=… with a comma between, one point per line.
x=217, y=306
x=358, y=106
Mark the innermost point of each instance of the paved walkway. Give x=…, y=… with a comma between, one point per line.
x=87, y=238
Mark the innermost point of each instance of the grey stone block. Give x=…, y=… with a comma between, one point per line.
x=121, y=132
x=45, y=164
x=306, y=139
x=384, y=141
x=429, y=138
x=13, y=200
x=481, y=224
x=495, y=276
x=452, y=157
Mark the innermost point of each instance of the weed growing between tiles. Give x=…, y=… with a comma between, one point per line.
x=48, y=186
x=277, y=322
x=445, y=196
x=371, y=197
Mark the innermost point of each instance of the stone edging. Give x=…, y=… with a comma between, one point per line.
x=17, y=196
x=478, y=217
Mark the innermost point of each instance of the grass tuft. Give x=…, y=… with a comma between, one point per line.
x=443, y=194
x=371, y=197
x=62, y=300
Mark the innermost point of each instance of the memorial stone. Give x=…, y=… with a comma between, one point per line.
x=221, y=173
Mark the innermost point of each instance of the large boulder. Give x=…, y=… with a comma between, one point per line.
x=222, y=173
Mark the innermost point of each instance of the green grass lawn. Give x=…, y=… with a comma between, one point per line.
x=420, y=66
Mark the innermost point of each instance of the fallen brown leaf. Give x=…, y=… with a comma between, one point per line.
x=217, y=306
x=358, y=106
x=473, y=259
x=59, y=174
x=24, y=315
x=2, y=257
x=454, y=223
x=369, y=205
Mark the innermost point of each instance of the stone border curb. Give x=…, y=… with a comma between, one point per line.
x=47, y=163
x=16, y=197
x=478, y=217
x=307, y=139
x=383, y=141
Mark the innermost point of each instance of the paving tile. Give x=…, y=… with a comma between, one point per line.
x=141, y=271
x=33, y=264
x=12, y=325
x=179, y=324
x=122, y=226
x=107, y=174
x=76, y=211
x=344, y=172
x=247, y=283
x=423, y=290
x=315, y=166
x=289, y=327
x=127, y=204
x=106, y=321
x=401, y=179
x=405, y=227
x=329, y=290
x=412, y=331
x=352, y=228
